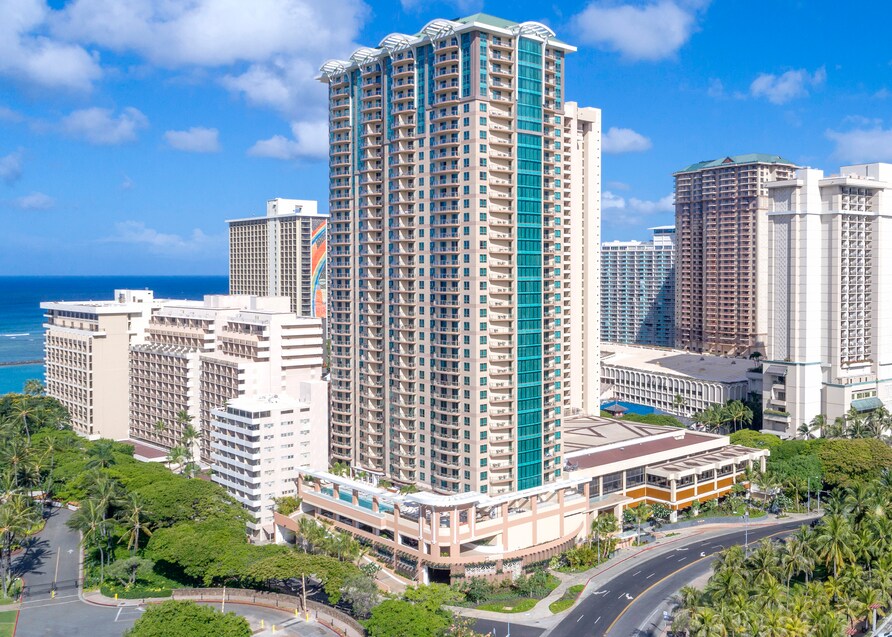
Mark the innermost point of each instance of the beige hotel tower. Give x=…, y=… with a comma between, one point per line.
x=464, y=258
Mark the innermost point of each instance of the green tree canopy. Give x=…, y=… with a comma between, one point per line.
x=173, y=501
x=846, y=462
x=400, y=618
x=188, y=619
x=332, y=572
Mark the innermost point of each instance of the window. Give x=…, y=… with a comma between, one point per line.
x=634, y=477
x=612, y=483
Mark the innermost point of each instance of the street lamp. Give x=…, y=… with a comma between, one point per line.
x=746, y=530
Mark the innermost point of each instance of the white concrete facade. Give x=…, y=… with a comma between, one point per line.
x=87, y=349
x=582, y=245
x=830, y=301
x=258, y=445
x=655, y=376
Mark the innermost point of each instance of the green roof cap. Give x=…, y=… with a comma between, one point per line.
x=749, y=158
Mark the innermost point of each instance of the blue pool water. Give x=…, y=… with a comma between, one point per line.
x=634, y=408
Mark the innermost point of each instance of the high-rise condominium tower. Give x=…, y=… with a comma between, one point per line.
x=638, y=290
x=465, y=202
x=721, y=269
x=281, y=254
x=829, y=298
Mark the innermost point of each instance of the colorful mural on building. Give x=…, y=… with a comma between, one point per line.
x=318, y=250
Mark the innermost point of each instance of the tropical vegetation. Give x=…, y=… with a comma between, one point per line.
x=819, y=581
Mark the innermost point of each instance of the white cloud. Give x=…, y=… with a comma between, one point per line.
x=212, y=32
x=29, y=56
x=101, y=127
x=194, y=140
x=127, y=183
x=632, y=211
x=137, y=233
x=862, y=144
x=283, y=42
x=310, y=140
x=11, y=167
x=9, y=115
x=654, y=31
x=618, y=185
x=780, y=89
x=624, y=140
x=610, y=200
x=35, y=201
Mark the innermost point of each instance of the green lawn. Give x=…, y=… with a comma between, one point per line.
x=7, y=622
x=519, y=605
x=567, y=599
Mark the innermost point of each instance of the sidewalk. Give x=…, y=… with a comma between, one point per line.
x=542, y=617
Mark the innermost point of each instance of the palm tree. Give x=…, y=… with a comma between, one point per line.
x=603, y=526
x=17, y=517
x=816, y=425
x=738, y=413
x=189, y=436
x=133, y=516
x=34, y=387
x=102, y=454
x=23, y=409
x=14, y=455
x=798, y=558
x=834, y=538
x=90, y=520
x=642, y=513
x=176, y=456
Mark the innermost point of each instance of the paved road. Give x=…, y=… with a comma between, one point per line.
x=51, y=562
x=599, y=613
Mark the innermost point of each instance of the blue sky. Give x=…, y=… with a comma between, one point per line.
x=129, y=131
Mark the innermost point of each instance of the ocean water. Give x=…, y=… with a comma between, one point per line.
x=21, y=319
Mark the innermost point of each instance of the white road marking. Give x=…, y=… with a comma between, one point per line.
x=34, y=601
x=636, y=573
x=580, y=618
x=682, y=559
x=649, y=576
x=599, y=619
x=629, y=596
x=55, y=603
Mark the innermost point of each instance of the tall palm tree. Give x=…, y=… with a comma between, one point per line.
x=189, y=436
x=642, y=513
x=133, y=517
x=798, y=558
x=17, y=517
x=834, y=538
x=90, y=520
x=816, y=425
x=738, y=414
x=24, y=411
x=14, y=455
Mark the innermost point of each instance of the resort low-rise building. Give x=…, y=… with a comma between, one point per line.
x=672, y=381
x=87, y=349
x=609, y=465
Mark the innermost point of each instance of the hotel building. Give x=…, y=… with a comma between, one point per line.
x=200, y=355
x=672, y=381
x=87, y=349
x=638, y=290
x=281, y=254
x=609, y=465
x=259, y=443
x=464, y=197
x=721, y=247
x=830, y=300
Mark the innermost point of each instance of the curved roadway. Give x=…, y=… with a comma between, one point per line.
x=629, y=600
